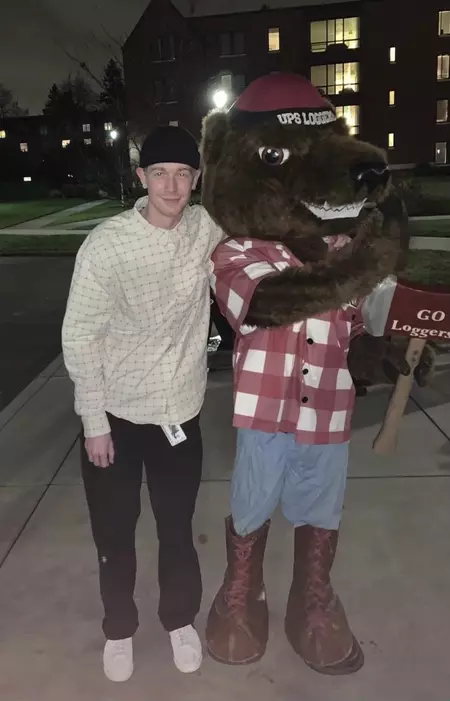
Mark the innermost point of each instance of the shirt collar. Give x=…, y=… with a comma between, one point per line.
x=160, y=233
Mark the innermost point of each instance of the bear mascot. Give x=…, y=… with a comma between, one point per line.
x=312, y=226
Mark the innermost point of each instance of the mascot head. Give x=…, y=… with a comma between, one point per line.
x=280, y=165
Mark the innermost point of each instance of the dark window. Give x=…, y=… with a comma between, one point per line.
x=232, y=44
x=239, y=83
x=165, y=91
x=442, y=111
x=164, y=48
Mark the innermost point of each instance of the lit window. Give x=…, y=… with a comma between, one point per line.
x=334, y=31
x=351, y=116
x=441, y=153
x=442, y=111
x=27, y=179
x=336, y=78
x=2, y=134
x=391, y=140
x=86, y=127
x=392, y=97
x=24, y=147
x=108, y=126
x=65, y=143
x=392, y=54
x=173, y=123
x=443, y=67
x=274, y=40
x=87, y=142
x=444, y=23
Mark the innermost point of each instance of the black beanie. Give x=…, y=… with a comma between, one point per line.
x=170, y=145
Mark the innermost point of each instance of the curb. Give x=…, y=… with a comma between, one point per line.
x=13, y=408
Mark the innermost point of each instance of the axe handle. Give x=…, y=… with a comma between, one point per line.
x=386, y=440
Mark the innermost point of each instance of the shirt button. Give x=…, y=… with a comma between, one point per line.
x=310, y=341
x=305, y=400
x=305, y=371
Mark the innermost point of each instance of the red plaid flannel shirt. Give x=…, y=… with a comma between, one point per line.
x=291, y=379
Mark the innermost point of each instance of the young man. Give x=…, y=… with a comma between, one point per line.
x=134, y=342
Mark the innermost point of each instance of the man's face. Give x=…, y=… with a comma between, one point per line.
x=169, y=187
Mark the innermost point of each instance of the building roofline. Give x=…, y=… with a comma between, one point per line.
x=299, y=5
x=141, y=19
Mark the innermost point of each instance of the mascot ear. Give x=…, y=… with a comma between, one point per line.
x=215, y=126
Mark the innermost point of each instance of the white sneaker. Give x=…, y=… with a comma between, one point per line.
x=187, y=649
x=118, y=659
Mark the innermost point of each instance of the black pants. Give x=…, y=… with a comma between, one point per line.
x=113, y=497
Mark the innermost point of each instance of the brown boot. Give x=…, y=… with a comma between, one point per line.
x=238, y=623
x=316, y=624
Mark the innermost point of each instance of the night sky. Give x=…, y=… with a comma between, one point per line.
x=32, y=33
x=30, y=57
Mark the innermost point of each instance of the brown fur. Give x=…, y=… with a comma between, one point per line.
x=249, y=198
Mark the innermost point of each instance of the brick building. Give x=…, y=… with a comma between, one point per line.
x=384, y=63
x=33, y=148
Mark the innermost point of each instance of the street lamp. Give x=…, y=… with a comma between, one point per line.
x=220, y=98
x=114, y=135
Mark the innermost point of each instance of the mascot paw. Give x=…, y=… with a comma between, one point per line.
x=394, y=362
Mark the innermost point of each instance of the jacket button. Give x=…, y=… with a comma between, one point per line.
x=304, y=400
x=305, y=371
x=310, y=341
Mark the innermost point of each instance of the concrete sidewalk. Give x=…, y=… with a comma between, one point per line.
x=392, y=569
x=42, y=222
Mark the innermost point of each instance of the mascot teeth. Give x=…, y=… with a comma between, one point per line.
x=326, y=211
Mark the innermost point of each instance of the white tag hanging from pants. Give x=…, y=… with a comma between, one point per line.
x=174, y=434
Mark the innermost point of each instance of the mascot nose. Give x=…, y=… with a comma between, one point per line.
x=370, y=174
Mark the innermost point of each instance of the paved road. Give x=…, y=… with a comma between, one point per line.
x=33, y=294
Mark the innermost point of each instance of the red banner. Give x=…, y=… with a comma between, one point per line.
x=419, y=312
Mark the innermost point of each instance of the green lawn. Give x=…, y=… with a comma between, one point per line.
x=435, y=187
x=107, y=209
x=426, y=267
x=13, y=213
x=436, y=227
x=432, y=197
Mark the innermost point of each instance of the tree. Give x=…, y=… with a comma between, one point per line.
x=112, y=96
x=70, y=99
x=9, y=107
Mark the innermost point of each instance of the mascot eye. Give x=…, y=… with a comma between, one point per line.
x=273, y=156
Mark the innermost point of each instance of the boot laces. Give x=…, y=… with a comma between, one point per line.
x=238, y=585
x=319, y=595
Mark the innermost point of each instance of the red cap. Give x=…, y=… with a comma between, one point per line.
x=287, y=98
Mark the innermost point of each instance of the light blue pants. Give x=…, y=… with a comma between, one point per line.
x=308, y=480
